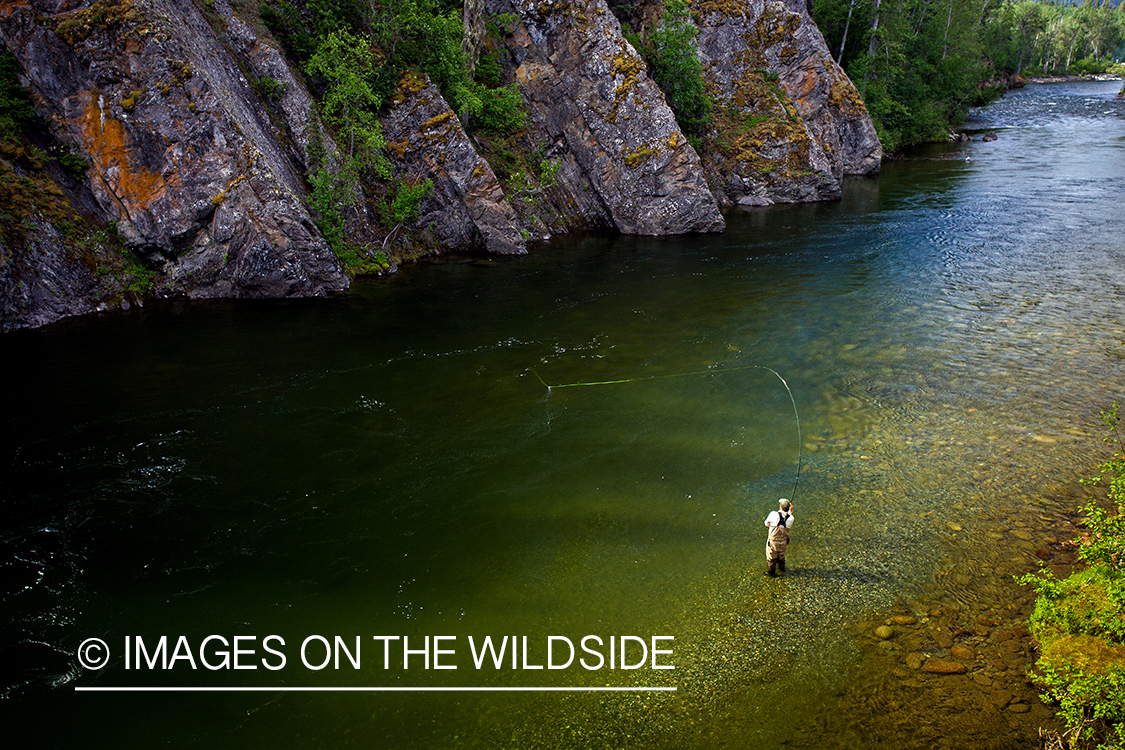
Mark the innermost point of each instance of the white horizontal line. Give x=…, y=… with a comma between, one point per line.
x=367, y=689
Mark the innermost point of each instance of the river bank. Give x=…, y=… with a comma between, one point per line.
x=1069, y=78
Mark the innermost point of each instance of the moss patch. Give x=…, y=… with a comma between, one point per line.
x=77, y=25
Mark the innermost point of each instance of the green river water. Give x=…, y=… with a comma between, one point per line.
x=390, y=463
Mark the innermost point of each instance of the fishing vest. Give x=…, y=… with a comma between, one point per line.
x=780, y=533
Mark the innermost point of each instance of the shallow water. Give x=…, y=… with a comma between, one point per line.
x=391, y=463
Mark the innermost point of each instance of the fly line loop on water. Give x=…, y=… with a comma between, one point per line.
x=793, y=401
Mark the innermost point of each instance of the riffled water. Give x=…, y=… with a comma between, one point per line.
x=391, y=463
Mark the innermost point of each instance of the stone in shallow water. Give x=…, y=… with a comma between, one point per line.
x=915, y=660
x=961, y=653
x=935, y=666
x=1001, y=698
x=1019, y=708
x=883, y=632
x=903, y=620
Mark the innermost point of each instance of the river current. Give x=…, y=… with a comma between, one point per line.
x=392, y=463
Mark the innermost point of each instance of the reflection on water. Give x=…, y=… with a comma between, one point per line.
x=391, y=463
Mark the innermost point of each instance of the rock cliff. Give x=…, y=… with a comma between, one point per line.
x=467, y=208
x=198, y=134
x=593, y=108
x=180, y=155
x=789, y=124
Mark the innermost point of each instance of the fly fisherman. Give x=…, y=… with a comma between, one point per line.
x=778, y=522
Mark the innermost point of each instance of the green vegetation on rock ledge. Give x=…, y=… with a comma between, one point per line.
x=356, y=54
x=1079, y=622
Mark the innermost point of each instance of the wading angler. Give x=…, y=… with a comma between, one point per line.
x=778, y=522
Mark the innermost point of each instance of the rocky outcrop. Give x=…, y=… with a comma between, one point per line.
x=788, y=122
x=44, y=278
x=591, y=107
x=180, y=155
x=827, y=100
x=466, y=208
x=198, y=137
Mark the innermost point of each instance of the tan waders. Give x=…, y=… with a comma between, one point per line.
x=775, y=546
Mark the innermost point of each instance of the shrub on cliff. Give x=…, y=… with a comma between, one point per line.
x=424, y=35
x=673, y=63
x=1079, y=622
x=345, y=62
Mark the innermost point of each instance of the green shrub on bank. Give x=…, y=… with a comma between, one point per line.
x=1089, y=66
x=1079, y=622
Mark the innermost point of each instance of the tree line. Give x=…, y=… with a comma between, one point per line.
x=921, y=64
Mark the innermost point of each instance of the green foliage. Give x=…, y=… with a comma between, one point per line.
x=527, y=187
x=355, y=53
x=345, y=63
x=70, y=161
x=1089, y=66
x=407, y=200
x=287, y=24
x=269, y=88
x=358, y=262
x=506, y=22
x=419, y=34
x=501, y=110
x=16, y=113
x=327, y=202
x=1048, y=38
x=1080, y=621
x=1106, y=545
x=488, y=69
x=673, y=63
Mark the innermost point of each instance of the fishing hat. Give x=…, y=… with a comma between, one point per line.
x=784, y=503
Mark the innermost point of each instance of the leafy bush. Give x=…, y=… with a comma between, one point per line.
x=673, y=62
x=291, y=29
x=345, y=63
x=270, y=88
x=1089, y=66
x=1080, y=622
x=405, y=206
x=15, y=106
x=501, y=110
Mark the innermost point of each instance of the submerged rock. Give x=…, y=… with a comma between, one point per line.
x=936, y=666
x=961, y=653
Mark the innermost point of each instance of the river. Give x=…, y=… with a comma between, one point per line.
x=392, y=463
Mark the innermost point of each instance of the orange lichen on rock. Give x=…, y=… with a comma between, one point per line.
x=107, y=142
x=845, y=96
x=7, y=6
